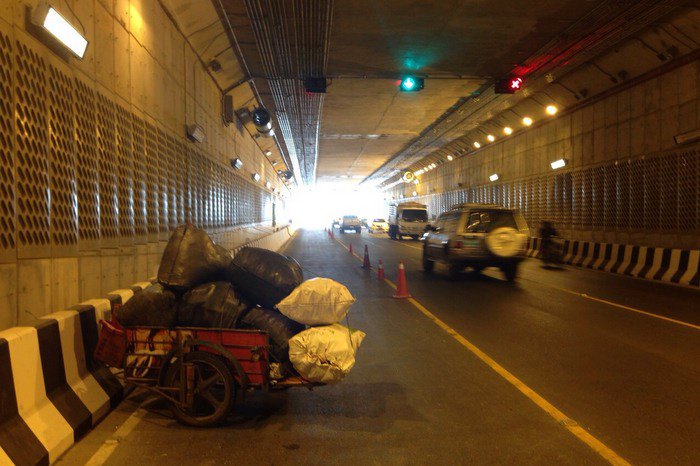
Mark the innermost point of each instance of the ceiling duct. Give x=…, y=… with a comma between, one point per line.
x=293, y=37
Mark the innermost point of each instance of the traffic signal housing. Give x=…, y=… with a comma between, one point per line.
x=509, y=85
x=411, y=84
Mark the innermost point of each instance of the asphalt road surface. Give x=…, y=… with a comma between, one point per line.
x=564, y=366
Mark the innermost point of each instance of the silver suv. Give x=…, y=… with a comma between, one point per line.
x=350, y=222
x=477, y=236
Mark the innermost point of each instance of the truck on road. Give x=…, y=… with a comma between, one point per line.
x=407, y=219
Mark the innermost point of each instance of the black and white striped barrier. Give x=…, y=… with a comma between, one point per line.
x=663, y=264
x=52, y=391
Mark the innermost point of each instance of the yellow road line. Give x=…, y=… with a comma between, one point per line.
x=569, y=424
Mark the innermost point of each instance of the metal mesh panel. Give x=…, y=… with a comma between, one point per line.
x=152, y=180
x=586, y=198
x=109, y=203
x=577, y=200
x=688, y=191
x=668, y=192
x=610, y=195
x=651, y=194
x=176, y=183
x=140, y=180
x=636, y=169
x=87, y=166
x=7, y=163
x=125, y=174
x=566, y=192
x=597, y=175
x=163, y=188
x=31, y=149
x=622, y=197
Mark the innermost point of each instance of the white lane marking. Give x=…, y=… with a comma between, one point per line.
x=108, y=447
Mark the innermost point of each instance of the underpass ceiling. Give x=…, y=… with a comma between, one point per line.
x=366, y=126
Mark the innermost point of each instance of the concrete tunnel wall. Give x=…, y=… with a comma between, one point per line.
x=627, y=181
x=95, y=168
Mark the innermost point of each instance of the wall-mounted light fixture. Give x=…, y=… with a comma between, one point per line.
x=414, y=194
x=494, y=177
x=47, y=17
x=690, y=136
x=551, y=110
x=507, y=130
x=491, y=137
x=268, y=153
x=476, y=144
x=527, y=121
x=195, y=133
x=561, y=163
x=256, y=177
x=237, y=163
x=268, y=185
x=450, y=158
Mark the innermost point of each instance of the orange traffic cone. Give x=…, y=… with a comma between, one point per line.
x=402, y=288
x=365, y=262
x=380, y=270
x=350, y=248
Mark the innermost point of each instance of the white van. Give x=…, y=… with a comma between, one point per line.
x=407, y=219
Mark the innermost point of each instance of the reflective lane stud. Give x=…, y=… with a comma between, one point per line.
x=401, y=287
x=380, y=270
x=365, y=262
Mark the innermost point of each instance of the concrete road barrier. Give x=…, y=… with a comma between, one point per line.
x=662, y=264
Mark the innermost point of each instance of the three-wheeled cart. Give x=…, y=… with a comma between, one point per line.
x=201, y=372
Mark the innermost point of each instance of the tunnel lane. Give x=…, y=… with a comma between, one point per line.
x=630, y=377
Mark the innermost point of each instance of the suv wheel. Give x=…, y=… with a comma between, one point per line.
x=358, y=230
x=510, y=270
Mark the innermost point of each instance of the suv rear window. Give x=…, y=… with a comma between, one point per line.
x=414, y=215
x=484, y=221
x=379, y=220
x=350, y=218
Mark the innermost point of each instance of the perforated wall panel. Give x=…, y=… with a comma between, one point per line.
x=64, y=208
x=7, y=162
x=31, y=147
x=125, y=175
x=106, y=142
x=87, y=167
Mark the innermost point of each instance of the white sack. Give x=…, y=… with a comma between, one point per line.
x=319, y=301
x=325, y=354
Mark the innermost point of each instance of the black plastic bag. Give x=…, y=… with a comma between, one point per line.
x=212, y=305
x=280, y=327
x=152, y=307
x=264, y=277
x=191, y=258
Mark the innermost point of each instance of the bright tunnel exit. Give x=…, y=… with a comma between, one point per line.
x=317, y=206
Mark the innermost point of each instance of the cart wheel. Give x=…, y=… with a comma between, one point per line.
x=214, y=390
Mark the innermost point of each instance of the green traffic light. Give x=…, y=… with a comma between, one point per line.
x=411, y=84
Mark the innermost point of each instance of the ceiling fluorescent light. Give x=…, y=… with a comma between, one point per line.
x=494, y=177
x=558, y=164
x=47, y=17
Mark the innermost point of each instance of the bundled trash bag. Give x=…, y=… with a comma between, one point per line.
x=319, y=301
x=325, y=354
x=212, y=305
x=264, y=277
x=152, y=307
x=191, y=258
x=280, y=328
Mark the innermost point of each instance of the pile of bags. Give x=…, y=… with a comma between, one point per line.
x=200, y=284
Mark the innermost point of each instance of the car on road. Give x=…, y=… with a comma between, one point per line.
x=350, y=222
x=378, y=224
x=477, y=236
x=336, y=222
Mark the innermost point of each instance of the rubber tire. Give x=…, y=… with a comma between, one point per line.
x=358, y=230
x=428, y=265
x=510, y=270
x=204, y=359
x=415, y=237
x=392, y=231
